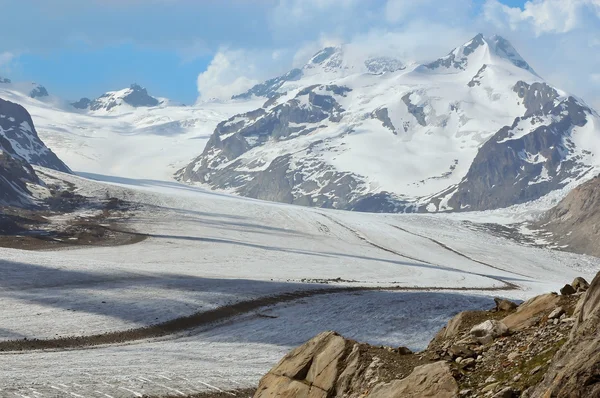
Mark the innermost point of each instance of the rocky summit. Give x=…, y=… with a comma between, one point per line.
x=544, y=347
x=477, y=129
x=135, y=96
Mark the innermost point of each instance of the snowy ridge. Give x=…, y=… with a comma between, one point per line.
x=416, y=138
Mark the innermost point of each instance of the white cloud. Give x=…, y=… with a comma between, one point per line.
x=6, y=58
x=233, y=71
x=447, y=10
x=6, y=61
x=226, y=75
x=544, y=16
x=559, y=38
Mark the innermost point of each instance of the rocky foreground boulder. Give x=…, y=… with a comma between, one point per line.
x=548, y=346
x=575, y=370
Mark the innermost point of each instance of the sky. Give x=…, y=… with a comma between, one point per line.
x=190, y=50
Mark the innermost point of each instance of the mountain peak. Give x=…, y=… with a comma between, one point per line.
x=494, y=47
x=135, y=96
x=329, y=58
x=325, y=54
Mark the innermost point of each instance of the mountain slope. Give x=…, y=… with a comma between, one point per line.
x=477, y=129
x=20, y=147
x=575, y=221
x=17, y=127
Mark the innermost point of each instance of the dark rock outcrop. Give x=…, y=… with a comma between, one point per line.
x=38, y=91
x=83, y=103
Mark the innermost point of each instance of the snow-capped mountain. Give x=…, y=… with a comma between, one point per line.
x=20, y=147
x=31, y=89
x=328, y=64
x=476, y=129
x=135, y=96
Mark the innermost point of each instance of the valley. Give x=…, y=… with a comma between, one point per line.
x=182, y=250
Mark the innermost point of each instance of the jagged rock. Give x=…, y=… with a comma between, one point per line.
x=314, y=363
x=567, y=290
x=432, y=380
x=452, y=328
x=556, y=313
x=404, y=351
x=504, y=305
x=575, y=369
x=531, y=311
x=461, y=351
x=326, y=366
x=487, y=331
x=580, y=284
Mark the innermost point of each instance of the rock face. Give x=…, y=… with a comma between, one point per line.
x=575, y=221
x=512, y=168
x=38, y=91
x=20, y=147
x=83, y=103
x=477, y=129
x=487, y=331
x=17, y=127
x=15, y=174
x=531, y=311
x=434, y=380
x=330, y=366
x=326, y=366
x=575, y=370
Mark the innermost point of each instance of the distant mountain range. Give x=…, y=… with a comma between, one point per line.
x=477, y=129
x=31, y=89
